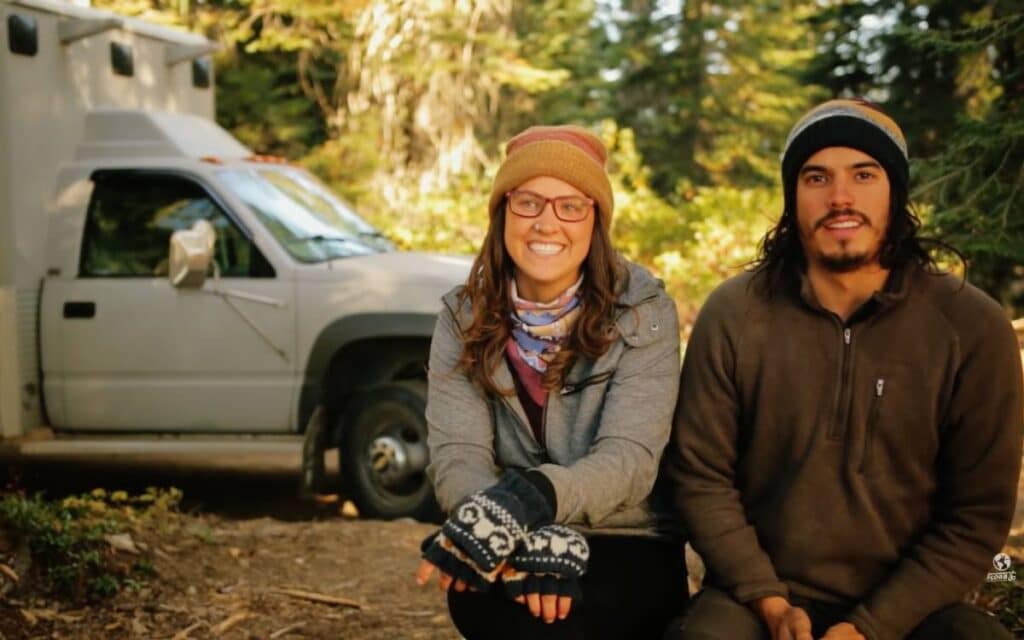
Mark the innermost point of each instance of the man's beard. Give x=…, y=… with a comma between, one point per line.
x=844, y=262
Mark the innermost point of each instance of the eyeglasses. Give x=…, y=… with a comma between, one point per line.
x=528, y=204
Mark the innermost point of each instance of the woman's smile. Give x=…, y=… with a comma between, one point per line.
x=545, y=248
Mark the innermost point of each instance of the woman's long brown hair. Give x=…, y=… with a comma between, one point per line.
x=487, y=290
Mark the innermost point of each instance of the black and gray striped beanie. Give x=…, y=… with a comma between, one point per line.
x=853, y=123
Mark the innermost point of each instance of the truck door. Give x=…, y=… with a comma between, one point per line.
x=138, y=354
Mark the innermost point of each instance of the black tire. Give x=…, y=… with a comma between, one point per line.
x=383, y=453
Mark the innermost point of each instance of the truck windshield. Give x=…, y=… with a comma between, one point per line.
x=309, y=221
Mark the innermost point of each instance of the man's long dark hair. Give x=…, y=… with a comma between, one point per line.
x=780, y=257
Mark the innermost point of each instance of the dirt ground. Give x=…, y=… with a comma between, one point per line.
x=260, y=578
x=246, y=560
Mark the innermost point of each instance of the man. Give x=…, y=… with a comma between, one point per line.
x=847, y=438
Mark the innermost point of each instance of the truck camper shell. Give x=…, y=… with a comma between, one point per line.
x=66, y=71
x=165, y=292
x=128, y=133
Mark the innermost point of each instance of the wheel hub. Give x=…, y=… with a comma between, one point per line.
x=393, y=459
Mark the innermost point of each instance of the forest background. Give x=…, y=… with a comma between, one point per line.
x=402, y=107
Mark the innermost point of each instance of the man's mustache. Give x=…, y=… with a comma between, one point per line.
x=841, y=213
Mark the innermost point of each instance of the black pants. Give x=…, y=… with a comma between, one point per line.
x=714, y=615
x=632, y=589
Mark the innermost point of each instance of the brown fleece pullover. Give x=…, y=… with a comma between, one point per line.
x=871, y=463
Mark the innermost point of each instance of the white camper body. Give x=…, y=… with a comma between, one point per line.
x=44, y=99
x=293, y=318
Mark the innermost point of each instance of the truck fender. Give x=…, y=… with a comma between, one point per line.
x=346, y=331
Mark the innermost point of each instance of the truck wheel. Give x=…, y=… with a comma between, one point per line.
x=383, y=453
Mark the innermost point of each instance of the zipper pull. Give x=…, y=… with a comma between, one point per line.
x=567, y=389
x=846, y=335
x=879, y=387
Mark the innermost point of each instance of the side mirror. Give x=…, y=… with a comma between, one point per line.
x=191, y=253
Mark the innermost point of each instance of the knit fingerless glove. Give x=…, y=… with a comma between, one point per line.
x=443, y=554
x=519, y=583
x=491, y=523
x=550, y=561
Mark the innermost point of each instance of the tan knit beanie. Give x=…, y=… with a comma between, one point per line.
x=566, y=152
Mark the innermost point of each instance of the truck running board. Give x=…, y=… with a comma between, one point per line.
x=250, y=452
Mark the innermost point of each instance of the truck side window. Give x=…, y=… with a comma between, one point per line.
x=132, y=215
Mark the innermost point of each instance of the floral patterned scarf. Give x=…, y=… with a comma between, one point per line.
x=538, y=331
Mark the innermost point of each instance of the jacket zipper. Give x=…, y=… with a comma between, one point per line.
x=869, y=434
x=526, y=426
x=835, y=432
x=544, y=425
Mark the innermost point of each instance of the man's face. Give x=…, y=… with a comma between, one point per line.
x=842, y=209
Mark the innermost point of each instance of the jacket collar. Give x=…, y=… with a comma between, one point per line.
x=897, y=285
x=896, y=289
x=638, y=286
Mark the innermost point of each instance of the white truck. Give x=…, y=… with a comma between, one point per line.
x=163, y=288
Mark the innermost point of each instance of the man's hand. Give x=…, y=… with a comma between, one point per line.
x=444, y=581
x=794, y=625
x=843, y=631
x=549, y=606
x=785, y=621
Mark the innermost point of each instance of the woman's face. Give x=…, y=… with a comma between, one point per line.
x=547, y=251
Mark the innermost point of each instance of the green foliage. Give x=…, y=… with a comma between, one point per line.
x=724, y=229
x=67, y=537
x=556, y=35
x=451, y=220
x=260, y=102
x=710, y=91
x=866, y=50
x=402, y=106
x=977, y=187
x=976, y=181
x=1006, y=601
x=949, y=72
x=694, y=245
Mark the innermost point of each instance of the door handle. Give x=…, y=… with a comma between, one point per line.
x=79, y=309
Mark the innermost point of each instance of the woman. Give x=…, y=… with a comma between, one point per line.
x=553, y=376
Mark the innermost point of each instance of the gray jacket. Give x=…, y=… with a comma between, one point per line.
x=604, y=430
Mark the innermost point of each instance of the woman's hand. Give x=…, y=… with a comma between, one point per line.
x=454, y=567
x=544, y=573
x=444, y=581
x=548, y=606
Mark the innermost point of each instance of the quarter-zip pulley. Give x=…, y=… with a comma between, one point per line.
x=842, y=403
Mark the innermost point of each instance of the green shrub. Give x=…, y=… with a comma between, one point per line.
x=1006, y=601
x=66, y=538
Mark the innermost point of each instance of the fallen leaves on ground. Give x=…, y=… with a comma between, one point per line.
x=243, y=579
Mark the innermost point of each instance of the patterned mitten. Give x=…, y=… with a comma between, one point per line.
x=551, y=560
x=443, y=554
x=489, y=525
